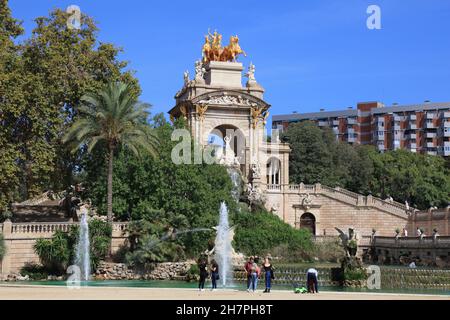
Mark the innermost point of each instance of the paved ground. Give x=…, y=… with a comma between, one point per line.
x=23, y=292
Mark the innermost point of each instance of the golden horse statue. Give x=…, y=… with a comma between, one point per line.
x=213, y=50
x=231, y=52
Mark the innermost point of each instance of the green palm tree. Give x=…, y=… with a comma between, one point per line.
x=112, y=116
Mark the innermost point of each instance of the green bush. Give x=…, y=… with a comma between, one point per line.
x=327, y=250
x=55, y=254
x=2, y=247
x=259, y=233
x=58, y=253
x=355, y=274
x=34, y=271
x=152, y=238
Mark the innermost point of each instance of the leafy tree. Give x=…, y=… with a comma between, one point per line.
x=154, y=237
x=10, y=104
x=311, y=159
x=141, y=184
x=258, y=233
x=112, y=116
x=422, y=180
x=42, y=80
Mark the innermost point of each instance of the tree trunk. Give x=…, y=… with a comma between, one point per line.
x=110, y=184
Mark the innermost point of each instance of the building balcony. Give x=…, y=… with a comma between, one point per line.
x=336, y=122
x=336, y=130
x=323, y=123
x=412, y=117
x=412, y=126
x=352, y=121
x=430, y=115
x=431, y=145
x=445, y=114
x=430, y=125
x=411, y=136
x=432, y=152
x=412, y=146
x=431, y=135
x=446, y=124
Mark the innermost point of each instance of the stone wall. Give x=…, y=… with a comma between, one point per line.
x=161, y=271
x=21, y=237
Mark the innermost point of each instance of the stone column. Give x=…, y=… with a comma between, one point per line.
x=6, y=262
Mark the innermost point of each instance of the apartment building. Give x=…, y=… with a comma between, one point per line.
x=422, y=128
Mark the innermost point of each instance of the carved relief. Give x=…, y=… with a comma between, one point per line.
x=229, y=100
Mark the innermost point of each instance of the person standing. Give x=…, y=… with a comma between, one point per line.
x=255, y=272
x=214, y=274
x=312, y=280
x=269, y=274
x=248, y=271
x=203, y=274
x=405, y=232
x=418, y=232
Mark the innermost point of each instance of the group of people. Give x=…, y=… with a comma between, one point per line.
x=203, y=269
x=253, y=272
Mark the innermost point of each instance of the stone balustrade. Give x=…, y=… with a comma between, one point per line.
x=412, y=242
x=21, y=237
x=344, y=195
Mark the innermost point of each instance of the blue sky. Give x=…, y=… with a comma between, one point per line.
x=308, y=54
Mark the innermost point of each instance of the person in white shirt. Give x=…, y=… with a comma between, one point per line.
x=312, y=283
x=418, y=232
x=405, y=232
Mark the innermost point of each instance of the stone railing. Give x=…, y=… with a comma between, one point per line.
x=412, y=242
x=346, y=196
x=29, y=228
x=274, y=187
x=48, y=228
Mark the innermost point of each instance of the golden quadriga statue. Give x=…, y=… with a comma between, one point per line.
x=213, y=50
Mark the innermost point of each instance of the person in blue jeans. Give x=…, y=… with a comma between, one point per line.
x=214, y=274
x=269, y=276
x=255, y=272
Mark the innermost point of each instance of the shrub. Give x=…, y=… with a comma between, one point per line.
x=258, y=233
x=355, y=274
x=34, y=271
x=327, y=250
x=193, y=273
x=55, y=254
x=58, y=253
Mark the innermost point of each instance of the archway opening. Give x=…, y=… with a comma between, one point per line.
x=237, y=141
x=274, y=171
x=308, y=222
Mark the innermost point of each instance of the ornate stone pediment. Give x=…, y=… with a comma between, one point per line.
x=230, y=98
